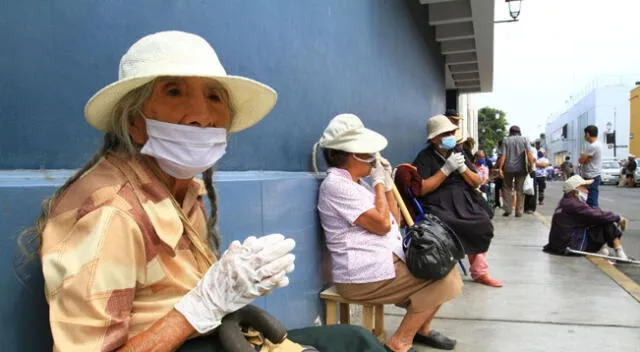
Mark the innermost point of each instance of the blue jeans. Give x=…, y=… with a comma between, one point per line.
x=593, y=188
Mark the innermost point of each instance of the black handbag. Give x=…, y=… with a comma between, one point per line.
x=431, y=248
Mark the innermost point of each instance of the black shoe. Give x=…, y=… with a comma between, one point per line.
x=435, y=340
x=506, y=213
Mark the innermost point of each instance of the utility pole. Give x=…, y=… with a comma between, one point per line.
x=615, y=142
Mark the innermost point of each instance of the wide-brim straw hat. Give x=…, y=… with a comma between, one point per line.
x=439, y=124
x=346, y=132
x=179, y=54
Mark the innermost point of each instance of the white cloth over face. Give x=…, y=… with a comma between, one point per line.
x=184, y=151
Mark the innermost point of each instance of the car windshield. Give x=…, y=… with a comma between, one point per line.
x=610, y=165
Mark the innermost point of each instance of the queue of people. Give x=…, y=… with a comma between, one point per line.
x=156, y=277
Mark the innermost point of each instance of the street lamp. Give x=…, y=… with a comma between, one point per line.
x=514, y=8
x=514, y=11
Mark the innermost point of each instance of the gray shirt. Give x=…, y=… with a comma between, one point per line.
x=593, y=167
x=513, y=149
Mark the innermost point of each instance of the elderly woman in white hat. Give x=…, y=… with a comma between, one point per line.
x=361, y=228
x=128, y=255
x=578, y=226
x=449, y=191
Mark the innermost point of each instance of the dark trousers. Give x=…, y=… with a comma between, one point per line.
x=541, y=185
x=497, y=190
x=594, y=191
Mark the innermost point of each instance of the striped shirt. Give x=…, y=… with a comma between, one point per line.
x=357, y=255
x=115, y=255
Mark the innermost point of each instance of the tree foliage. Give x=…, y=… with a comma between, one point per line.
x=491, y=130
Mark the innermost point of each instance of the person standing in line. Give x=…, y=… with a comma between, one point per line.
x=455, y=118
x=630, y=171
x=530, y=199
x=567, y=168
x=480, y=163
x=497, y=179
x=513, y=170
x=591, y=163
x=541, y=176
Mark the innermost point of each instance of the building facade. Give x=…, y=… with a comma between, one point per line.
x=606, y=106
x=393, y=63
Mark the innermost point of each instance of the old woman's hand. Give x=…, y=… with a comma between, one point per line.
x=244, y=272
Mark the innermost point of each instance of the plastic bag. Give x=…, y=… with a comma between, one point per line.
x=528, y=187
x=431, y=248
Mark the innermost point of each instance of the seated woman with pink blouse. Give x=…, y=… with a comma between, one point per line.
x=360, y=223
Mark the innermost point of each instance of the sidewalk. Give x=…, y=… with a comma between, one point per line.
x=548, y=303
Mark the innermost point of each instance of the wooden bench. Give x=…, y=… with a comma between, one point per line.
x=372, y=314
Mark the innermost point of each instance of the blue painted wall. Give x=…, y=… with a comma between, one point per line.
x=324, y=57
x=250, y=204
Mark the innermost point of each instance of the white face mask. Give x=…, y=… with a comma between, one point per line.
x=583, y=196
x=184, y=151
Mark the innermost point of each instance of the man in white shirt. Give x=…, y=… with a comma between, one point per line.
x=591, y=163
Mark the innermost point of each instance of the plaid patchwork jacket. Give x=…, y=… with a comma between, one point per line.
x=116, y=256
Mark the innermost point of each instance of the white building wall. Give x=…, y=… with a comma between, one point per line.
x=469, y=112
x=595, y=108
x=613, y=106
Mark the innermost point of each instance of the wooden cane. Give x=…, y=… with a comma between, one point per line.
x=403, y=207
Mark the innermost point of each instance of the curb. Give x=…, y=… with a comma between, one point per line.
x=632, y=288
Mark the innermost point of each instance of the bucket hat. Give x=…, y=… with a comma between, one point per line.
x=346, y=132
x=181, y=54
x=574, y=182
x=439, y=124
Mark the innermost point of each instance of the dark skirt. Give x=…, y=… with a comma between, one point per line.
x=464, y=210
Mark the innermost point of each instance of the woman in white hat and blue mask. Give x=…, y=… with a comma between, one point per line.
x=360, y=223
x=449, y=191
x=128, y=254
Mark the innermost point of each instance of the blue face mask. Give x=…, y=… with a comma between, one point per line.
x=482, y=161
x=448, y=142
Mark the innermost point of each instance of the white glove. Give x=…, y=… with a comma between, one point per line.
x=377, y=174
x=388, y=173
x=453, y=163
x=463, y=167
x=243, y=273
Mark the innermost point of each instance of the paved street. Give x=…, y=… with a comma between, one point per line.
x=625, y=201
x=548, y=303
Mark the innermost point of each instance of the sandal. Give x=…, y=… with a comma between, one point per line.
x=488, y=280
x=435, y=340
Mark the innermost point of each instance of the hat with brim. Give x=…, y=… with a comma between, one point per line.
x=439, y=124
x=573, y=182
x=347, y=133
x=179, y=54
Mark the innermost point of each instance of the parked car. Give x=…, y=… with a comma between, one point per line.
x=611, y=172
x=637, y=173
